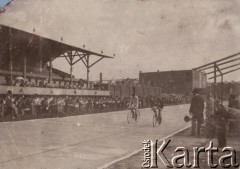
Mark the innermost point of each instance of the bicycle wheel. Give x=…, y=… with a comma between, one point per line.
x=160, y=118
x=137, y=115
x=154, y=120
x=159, y=121
x=129, y=117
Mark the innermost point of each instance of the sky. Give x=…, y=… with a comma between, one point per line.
x=144, y=35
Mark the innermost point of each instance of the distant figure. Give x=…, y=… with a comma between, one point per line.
x=196, y=111
x=157, y=106
x=9, y=103
x=233, y=102
x=35, y=105
x=210, y=116
x=41, y=83
x=10, y=106
x=133, y=105
x=210, y=106
x=221, y=116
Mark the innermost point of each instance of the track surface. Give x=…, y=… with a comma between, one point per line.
x=81, y=142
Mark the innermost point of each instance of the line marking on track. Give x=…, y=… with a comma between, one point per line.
x=105, y=166
x=67, y=146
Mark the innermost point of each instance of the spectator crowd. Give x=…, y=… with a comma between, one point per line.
x=36, y=106
x=21, y=82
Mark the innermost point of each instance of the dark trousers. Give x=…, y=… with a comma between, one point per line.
x=196, y=125
x=9, y=111
x=222, y=125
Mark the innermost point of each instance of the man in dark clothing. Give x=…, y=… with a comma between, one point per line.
x=9, y=105
x=45, y=106
x=157, y=106
x=196, y=111
x=233, y=102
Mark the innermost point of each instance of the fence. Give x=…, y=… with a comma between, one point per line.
x=126, y=91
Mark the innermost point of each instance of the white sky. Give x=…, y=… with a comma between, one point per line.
x=147, y=35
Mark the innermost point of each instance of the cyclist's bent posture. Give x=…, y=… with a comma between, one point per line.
x=133, y=105
x=157, y=107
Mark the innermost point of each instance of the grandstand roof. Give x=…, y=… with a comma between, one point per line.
x=34, y=47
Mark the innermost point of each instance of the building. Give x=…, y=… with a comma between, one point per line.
x=174, y=82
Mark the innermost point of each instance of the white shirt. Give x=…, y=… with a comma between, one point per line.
x=134, y=101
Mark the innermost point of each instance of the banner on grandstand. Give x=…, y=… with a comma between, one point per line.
x=52, y=91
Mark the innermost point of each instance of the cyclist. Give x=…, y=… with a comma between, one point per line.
x=157, y=106
x=133, y=105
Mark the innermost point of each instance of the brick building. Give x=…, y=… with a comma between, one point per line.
x=174, y=82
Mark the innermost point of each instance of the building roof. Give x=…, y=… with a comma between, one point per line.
x=16, y=43
x=169, y=71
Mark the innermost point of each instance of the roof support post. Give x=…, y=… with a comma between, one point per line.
x=215, y=81
x=214, y=85
x=70, y=61
x=221, y=82
x=71, y=70
x=41, y=55
x=88, y=70
x=50, y=70
x=24, y=67
x=221, y=89
x=11, y=57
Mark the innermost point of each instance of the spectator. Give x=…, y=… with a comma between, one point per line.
x=44, y=105
x=35, y=105
x=2, y=102
x=10, y=107
x=60, y=104
x=196, y=111
x=41, y=83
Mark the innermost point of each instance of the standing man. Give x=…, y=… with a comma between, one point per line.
x=11, y=108
x=35, y=106
x=9, y=104
x=196, y=112
x=2, y=103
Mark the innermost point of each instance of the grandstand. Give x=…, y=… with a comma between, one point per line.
x=38, y=90
x=26, y=68
x=26, y=61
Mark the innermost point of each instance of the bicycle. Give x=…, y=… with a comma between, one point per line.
x=157, y=117
x=133, y=116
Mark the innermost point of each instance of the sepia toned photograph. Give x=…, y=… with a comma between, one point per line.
x=119, y=84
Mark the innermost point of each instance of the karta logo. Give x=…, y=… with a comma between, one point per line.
x=182, y=159
x=3, y=4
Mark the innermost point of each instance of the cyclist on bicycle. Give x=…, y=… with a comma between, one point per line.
x=133, y=105
x=157, y=106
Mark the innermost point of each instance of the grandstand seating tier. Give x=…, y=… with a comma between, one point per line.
x=51, y=91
